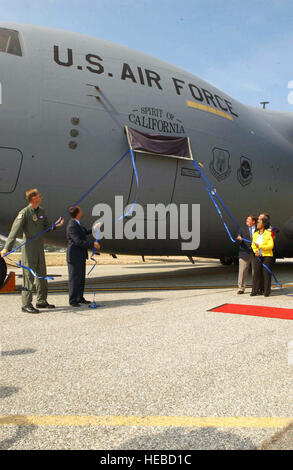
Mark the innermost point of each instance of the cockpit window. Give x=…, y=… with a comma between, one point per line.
x=9, y=41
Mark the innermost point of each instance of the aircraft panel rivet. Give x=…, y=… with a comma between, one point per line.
x=74, y=132
x=75, y=121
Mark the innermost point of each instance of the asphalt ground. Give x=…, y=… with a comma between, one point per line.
x=152, y=368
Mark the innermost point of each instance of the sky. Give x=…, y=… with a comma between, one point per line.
x=243, y=47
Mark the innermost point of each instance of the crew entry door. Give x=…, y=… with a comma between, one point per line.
x=156, y=158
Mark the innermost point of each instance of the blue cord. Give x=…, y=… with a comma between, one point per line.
x=211, y=191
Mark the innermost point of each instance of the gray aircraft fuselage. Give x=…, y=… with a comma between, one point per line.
x=65, y=102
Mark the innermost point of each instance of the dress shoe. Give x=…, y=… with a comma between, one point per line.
x=83, y=301
x=240, y=292
x=75, y=304
x=30, y=309
x=266, y=295
x=252, y=294
x=45, y=305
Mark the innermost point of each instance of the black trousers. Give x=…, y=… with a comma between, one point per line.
x=261, y=274
x=76, y=281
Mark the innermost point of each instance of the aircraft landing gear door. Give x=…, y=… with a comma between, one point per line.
x=156, y=159
x=10, y=165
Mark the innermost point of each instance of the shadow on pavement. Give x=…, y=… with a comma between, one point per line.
x=18, y=352
x=20, y=433
x=115, y=303
x=8, y=391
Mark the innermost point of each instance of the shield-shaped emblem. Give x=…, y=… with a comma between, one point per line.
x=220, y=164
x=244, y=173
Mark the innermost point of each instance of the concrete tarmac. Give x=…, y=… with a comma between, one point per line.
x=151, y=368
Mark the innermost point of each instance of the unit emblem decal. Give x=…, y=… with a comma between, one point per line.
x=220, y=164
x=244, y=173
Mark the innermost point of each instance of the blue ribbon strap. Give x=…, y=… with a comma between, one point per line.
x=272, y=274
x=33, y=272
x=137, y=186
x=208, y=185
x=93, y=253
x=94, y=305
x=76, y=204
x=211, y=191
x=54, y=225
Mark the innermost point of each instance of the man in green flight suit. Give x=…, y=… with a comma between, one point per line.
x=31, y=221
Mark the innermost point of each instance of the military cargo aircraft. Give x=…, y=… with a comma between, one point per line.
x=66, y=100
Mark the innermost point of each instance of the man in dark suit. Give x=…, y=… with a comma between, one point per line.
x=245, y=252
x=77, y=253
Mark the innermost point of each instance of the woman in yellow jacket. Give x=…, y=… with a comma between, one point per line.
x=262, y=246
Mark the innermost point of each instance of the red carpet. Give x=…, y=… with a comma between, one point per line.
x=270, y=312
